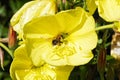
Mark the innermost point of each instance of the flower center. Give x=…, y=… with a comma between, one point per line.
x=62, y=47
x=59, y=39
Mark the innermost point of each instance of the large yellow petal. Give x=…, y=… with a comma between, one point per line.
x=91, y=6
x=65, y=21
x=16, y=17
x=21, y=61
x=41, y=8
x=63, y=72
x=81, y=58
x=70, y=19
x=43, y=25
x=109, y=9
x=45, y=72
x=37, y=47
x=65, y=55
x=86, y=37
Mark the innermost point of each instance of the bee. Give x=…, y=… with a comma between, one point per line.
x=60, y=39
x=57, y=40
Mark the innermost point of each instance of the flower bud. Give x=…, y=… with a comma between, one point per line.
x=12, y=38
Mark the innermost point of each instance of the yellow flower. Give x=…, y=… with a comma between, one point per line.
x=29, y=11
x=66, y=38
x=109, y=10
x=91, y=6
x=23, y=69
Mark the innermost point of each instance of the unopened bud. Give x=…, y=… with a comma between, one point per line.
x=12, y=38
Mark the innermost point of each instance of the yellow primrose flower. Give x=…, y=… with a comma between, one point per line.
x=23, y=69
x=109, y=9
x=66, y=38
x=29, y=11
x=91, y=6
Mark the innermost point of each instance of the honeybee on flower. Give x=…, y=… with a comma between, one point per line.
x=65, y=38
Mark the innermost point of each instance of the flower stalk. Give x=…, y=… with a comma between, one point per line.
x=101, y=64
x=6, y=48
x=1, y=58
x=105, y=27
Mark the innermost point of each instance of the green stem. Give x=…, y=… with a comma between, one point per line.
x=84, y=6
x=4, y=47
x=101, y=76
x=105, y=27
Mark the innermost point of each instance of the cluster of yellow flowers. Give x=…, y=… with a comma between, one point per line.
x=54, y=42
